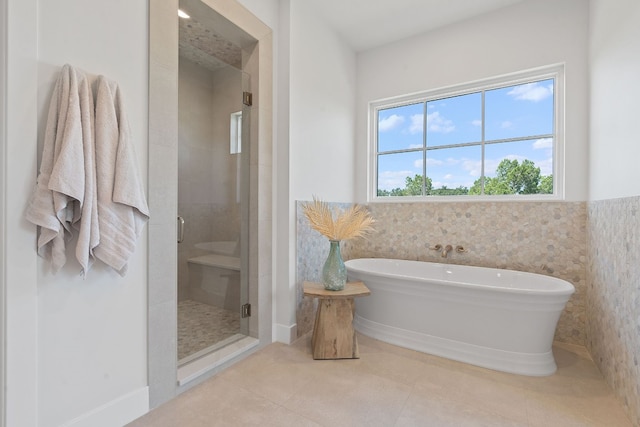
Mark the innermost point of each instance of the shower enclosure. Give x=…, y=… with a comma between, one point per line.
x=213, y=183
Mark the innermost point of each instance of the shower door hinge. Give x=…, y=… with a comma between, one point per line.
x=246, y=310
x=247, y=99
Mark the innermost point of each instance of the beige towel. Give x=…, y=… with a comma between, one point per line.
x=65, y=193
x=122, y=207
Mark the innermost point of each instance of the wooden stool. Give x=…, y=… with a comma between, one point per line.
x=333, y=333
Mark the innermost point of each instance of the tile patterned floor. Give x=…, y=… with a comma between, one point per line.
x=282, y=385
x=201, y=325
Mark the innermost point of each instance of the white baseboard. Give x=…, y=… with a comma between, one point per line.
x=118, y=412
x=285, y=334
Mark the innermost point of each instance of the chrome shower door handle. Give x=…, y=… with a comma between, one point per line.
x=180, y=229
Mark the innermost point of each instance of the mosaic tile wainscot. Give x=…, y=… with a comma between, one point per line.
x=539, y=237
x=613, y=296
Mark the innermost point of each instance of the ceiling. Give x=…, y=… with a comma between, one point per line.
x=365, y=24
x=209, y=39
x=200, y=44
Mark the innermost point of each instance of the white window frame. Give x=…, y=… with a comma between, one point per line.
x=555, y=71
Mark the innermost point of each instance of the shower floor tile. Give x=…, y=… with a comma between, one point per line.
x=202, y=325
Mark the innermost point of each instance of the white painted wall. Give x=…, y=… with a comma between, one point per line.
x=76, y=348
x=265, y=10
x=322, y=110
x=315, y=134
x=615, y=89
x=3, y=240
x=92, y=332
x=272, y=12
x=284, y=327
x=527, y=35
x=314, y=98
x=19, y=170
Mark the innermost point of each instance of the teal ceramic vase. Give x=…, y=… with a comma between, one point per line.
x=334, y=272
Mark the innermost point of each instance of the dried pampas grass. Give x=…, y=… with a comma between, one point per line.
x=354, y=222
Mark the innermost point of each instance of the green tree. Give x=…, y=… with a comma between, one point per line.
x=513, y=177
x=492, y=186
x=413, y=186
x=522, y=178
x=546, y=185
x=395, y=192
x=445, y=191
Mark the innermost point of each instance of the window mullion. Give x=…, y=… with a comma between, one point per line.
x=482, y=119
x=424, y=150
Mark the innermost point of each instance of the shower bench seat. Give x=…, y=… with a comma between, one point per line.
x=216, y=260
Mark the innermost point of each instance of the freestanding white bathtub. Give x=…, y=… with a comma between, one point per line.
x=498, y=319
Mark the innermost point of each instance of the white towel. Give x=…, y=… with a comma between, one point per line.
x=67, y=175
x=122, y=207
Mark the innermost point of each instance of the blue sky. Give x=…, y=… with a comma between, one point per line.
x=511, y=112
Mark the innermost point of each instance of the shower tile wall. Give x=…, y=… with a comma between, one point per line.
x=539, y=237
x=613, y=296
x=207, y=172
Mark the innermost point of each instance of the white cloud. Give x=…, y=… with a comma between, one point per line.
x=438, y=123
x=448, y=176
x=388, y=180
x=477, y=122
x=543, y=143
x=416, y=123
x=531, y=92
x=506, y=124
x=391, y=122
x=546, y=166
x=514, y=157
x=473, y=167
x=431, y=162
x=490, y=166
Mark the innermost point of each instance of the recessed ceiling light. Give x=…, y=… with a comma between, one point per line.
x=182, y=14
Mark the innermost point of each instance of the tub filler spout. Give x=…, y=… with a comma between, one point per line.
x=446, y=250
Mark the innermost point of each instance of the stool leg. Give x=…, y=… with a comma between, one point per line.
x=333, y=334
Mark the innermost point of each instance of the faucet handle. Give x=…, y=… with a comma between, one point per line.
x=460, y=249
x=437, y=247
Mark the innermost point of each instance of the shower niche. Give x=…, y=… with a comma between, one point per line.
x=213, y=182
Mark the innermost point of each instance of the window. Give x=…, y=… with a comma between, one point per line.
x=499, y=138
x=235, y=133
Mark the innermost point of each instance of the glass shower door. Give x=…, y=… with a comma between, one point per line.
x=213, y=196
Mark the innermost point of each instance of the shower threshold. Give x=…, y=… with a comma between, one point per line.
x=213, y=357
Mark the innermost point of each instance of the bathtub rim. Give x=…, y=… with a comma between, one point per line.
x=565, y=288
